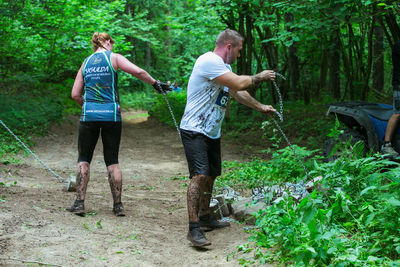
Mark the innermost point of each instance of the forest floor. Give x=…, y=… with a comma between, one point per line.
x=36, y=228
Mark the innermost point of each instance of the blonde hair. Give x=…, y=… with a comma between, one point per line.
x=99, y=39
x=228, y=36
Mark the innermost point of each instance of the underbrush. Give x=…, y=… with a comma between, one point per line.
x=304, y=130
x=350, y=219
x=138, y=100
x=258, y=172
x=26, y=115
x=177, y=102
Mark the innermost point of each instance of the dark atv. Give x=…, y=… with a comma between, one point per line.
x=366, y=125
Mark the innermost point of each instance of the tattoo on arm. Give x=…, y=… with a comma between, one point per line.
x=256, y=79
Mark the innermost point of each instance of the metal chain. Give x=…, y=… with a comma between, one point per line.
x=290, y=145
x=30, y=151
x=172, y=113
x=280, y=115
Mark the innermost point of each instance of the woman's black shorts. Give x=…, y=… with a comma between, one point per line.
x=203, y=154
x=110, y=136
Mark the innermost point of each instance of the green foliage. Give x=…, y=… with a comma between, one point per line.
x=252, y=126
x=138, y=100
x=283, y=167
x=177, y=101
x=47, y=41
x=26, y=115
x=351, y=218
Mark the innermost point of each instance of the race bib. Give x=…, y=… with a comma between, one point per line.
x=222, y=99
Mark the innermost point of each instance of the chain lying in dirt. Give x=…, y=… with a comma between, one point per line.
x=280, y=115
x=34, y=155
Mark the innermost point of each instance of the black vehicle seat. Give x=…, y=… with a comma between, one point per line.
x=379, y=112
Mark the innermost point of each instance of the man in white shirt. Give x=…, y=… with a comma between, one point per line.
x=210, y=84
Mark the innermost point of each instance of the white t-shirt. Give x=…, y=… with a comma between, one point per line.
x=206, y=99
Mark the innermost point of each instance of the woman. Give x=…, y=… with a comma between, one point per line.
x=97, y=79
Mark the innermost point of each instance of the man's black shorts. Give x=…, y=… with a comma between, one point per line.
x=203, y=154
x=110, y=136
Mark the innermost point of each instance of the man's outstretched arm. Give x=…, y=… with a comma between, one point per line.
x=245, y=98
x=243, y=82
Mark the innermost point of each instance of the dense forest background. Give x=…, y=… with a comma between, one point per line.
x=338, y=49
x=329, y=51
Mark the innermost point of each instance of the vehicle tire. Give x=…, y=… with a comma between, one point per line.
x=339, y=145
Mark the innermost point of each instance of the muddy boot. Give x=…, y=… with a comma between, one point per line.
x=197, y=237
x=78, y=208
x=209, y=223
x=118, y=209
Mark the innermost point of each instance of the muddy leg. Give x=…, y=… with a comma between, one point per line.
x=82, y=180
x=115, y=181
x=206, y=196
x=195, y=190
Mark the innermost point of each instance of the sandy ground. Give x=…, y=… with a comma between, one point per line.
x=35, y=227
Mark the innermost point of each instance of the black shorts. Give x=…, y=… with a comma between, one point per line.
x=203, y=154
x=89, y=134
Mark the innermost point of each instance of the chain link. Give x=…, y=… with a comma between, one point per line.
x=280, y=115
x=34, y=155
x=172, y=114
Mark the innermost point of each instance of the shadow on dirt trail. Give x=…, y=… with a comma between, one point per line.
x=35, y=227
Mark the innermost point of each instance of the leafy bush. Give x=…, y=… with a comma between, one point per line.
x=351, y=219
x=283, y=167
x=25, y=115
x=137, y=100
x=177, y=101
x=245, y=123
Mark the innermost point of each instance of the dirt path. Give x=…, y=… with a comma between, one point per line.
x=34, y=225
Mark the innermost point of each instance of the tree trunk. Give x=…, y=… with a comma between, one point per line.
x=147, y=52
x=369, y=60
x=334, y=64
x=378, y=62
x=323, y=73
x=294, y=70
x=393, y=26
x=241, y=68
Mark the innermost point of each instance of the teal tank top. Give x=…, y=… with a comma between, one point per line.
x=101, y=100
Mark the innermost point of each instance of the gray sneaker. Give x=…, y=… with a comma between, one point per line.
x=387, y=149
x=197, y=237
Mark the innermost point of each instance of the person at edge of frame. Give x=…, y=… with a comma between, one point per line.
x=387, y=147
x=210, y=84
x=96, y=90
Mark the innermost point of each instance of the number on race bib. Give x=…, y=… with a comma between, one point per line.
x=222, y=99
